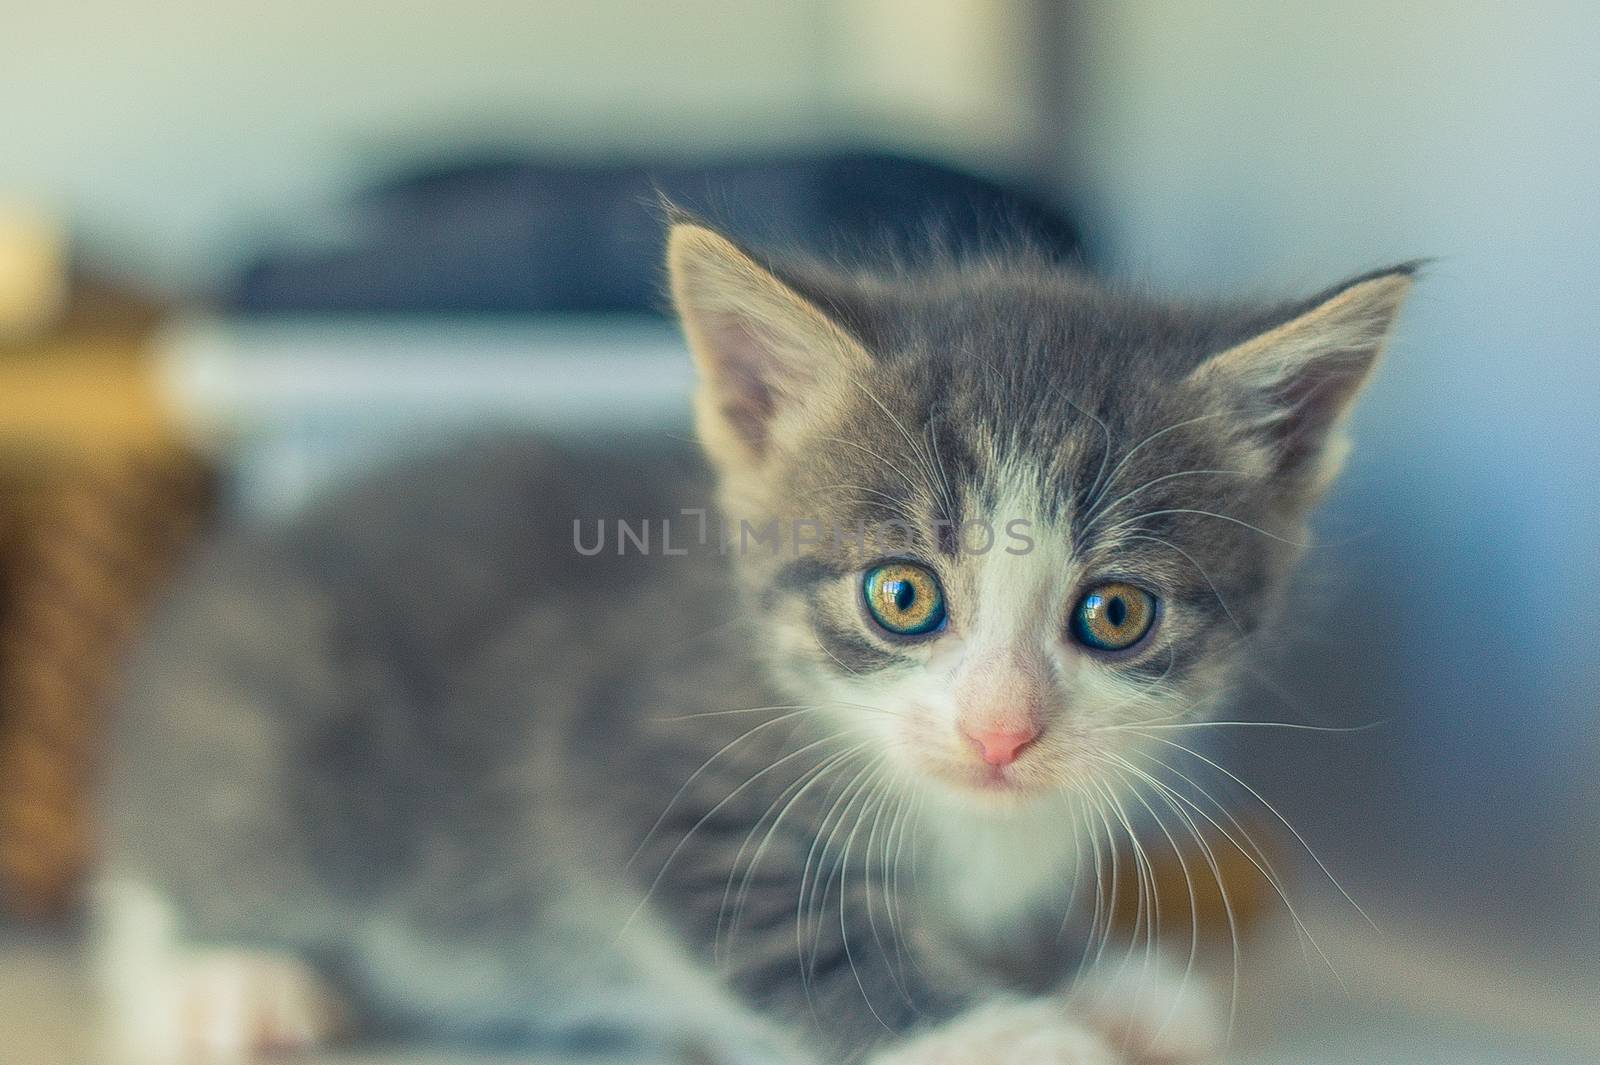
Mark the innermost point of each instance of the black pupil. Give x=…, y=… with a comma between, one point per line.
x=1117, y=611
x=903, y=594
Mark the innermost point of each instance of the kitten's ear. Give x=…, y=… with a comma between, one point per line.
x=1292, y=385
x=766, y=354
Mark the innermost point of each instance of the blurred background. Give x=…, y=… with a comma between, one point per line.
x=248, y=250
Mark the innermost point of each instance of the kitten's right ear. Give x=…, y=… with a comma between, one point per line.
x=767, y=356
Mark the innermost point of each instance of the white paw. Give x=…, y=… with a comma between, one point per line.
x=1153, y=1016
x=1035, y=1031
x=225, y=1006
x=165, y=1005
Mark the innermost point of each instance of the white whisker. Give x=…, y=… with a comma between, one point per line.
x=1252, y=853
x=788, y=799
x=1128, y=455
x=682, y=843
x=1205, y=514
x=1282, y=819
x=1198, y=568
x=1098, y=514
x=689, y=781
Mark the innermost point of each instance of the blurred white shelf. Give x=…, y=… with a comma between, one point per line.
x=231, y=375
x=292, y=402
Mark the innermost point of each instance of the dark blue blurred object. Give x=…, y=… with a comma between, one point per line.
x=519, y=236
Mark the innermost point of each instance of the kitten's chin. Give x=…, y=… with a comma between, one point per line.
x=993, y=786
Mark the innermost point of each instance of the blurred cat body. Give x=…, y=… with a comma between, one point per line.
x=423, y=762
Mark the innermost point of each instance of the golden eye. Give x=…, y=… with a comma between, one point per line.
x=904, y=598
x=1113, y=616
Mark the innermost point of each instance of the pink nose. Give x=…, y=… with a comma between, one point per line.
x=1002, y=746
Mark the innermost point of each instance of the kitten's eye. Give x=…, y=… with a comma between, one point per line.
x=1113, y=616
x=904, y=598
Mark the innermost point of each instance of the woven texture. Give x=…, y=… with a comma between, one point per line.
x=86, y=547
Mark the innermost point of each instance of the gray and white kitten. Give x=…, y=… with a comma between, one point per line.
x=425, y=764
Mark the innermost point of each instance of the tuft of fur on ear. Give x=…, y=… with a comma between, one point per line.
x=767, y=356
x=1293, y=385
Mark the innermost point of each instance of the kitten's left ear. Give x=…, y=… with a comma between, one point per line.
x=1291, y=386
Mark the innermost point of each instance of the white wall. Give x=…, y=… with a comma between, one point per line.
x=166, y=124
x=165, y=130
x=1263, y=143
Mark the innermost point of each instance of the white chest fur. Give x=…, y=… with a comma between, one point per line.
x=991, y=871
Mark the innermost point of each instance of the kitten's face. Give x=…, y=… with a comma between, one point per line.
x=1075, y=504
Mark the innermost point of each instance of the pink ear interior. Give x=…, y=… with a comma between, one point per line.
x=1295, y=382
x=744, y=383
x=1307, y=404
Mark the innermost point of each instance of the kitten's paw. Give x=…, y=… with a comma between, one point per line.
x=167, y=1005
x=1006, y=1032
x=227, y=1006
x=1154, y=1017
